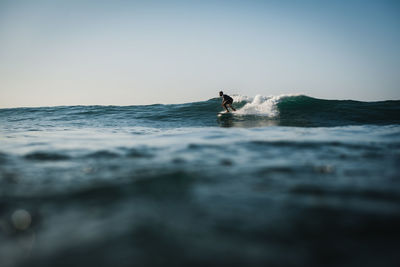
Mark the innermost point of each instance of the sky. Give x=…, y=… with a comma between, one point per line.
x=144, y=52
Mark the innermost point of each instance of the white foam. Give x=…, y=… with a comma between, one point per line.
x=241, y=98
x=259, y=105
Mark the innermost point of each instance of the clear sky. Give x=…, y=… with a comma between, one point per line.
x=144, y=52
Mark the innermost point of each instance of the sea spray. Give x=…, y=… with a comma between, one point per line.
x=260, y=105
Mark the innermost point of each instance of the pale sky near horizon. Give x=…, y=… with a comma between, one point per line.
x=145, y=52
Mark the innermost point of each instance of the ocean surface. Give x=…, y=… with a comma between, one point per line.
x=287, y=180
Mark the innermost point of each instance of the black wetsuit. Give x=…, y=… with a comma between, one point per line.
x=227, y=99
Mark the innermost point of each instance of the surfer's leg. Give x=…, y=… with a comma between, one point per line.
x=230, y=105
x=224, y=105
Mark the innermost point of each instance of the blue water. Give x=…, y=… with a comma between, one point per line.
x=285, y=181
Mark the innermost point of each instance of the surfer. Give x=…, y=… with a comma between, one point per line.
x=226, y=101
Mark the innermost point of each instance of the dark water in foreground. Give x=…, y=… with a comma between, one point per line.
x=288, y=181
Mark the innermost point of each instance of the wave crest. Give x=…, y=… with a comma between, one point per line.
x=260, y=105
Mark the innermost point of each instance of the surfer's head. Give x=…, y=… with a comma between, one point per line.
x=221, y=93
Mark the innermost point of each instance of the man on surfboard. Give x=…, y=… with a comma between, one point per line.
x=226, y=101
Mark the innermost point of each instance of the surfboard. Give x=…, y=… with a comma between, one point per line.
x=224, y=114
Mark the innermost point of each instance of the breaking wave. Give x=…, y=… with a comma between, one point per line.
x=286, y=110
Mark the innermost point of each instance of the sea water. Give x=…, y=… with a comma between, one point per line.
x=285, y=181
